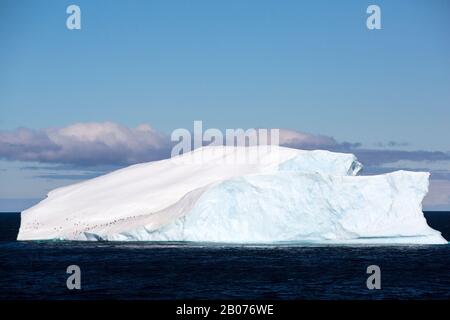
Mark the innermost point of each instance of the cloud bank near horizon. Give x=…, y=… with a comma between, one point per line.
x=109, y=143
x=81, y=146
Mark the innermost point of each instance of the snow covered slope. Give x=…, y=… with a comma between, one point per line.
x=274, y=194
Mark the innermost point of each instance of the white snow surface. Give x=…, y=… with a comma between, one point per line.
x=239, y=195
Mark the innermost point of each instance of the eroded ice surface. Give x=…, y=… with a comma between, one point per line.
x=273, y=195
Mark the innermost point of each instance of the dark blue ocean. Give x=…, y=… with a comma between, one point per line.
x=37, y=270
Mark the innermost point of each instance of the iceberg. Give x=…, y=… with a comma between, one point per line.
x=276, y=195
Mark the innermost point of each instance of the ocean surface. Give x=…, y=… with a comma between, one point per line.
x=124, y=270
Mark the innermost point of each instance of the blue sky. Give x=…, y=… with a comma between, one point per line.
x=310, y=66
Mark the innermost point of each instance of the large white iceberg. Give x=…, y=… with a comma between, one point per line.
x=215, y=194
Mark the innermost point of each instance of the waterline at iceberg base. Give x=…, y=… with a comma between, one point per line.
x=286, y=195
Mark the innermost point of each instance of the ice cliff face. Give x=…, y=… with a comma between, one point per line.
x=239, y=195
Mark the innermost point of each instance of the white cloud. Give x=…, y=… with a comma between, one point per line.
x=85, y=144
x=298, y=139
